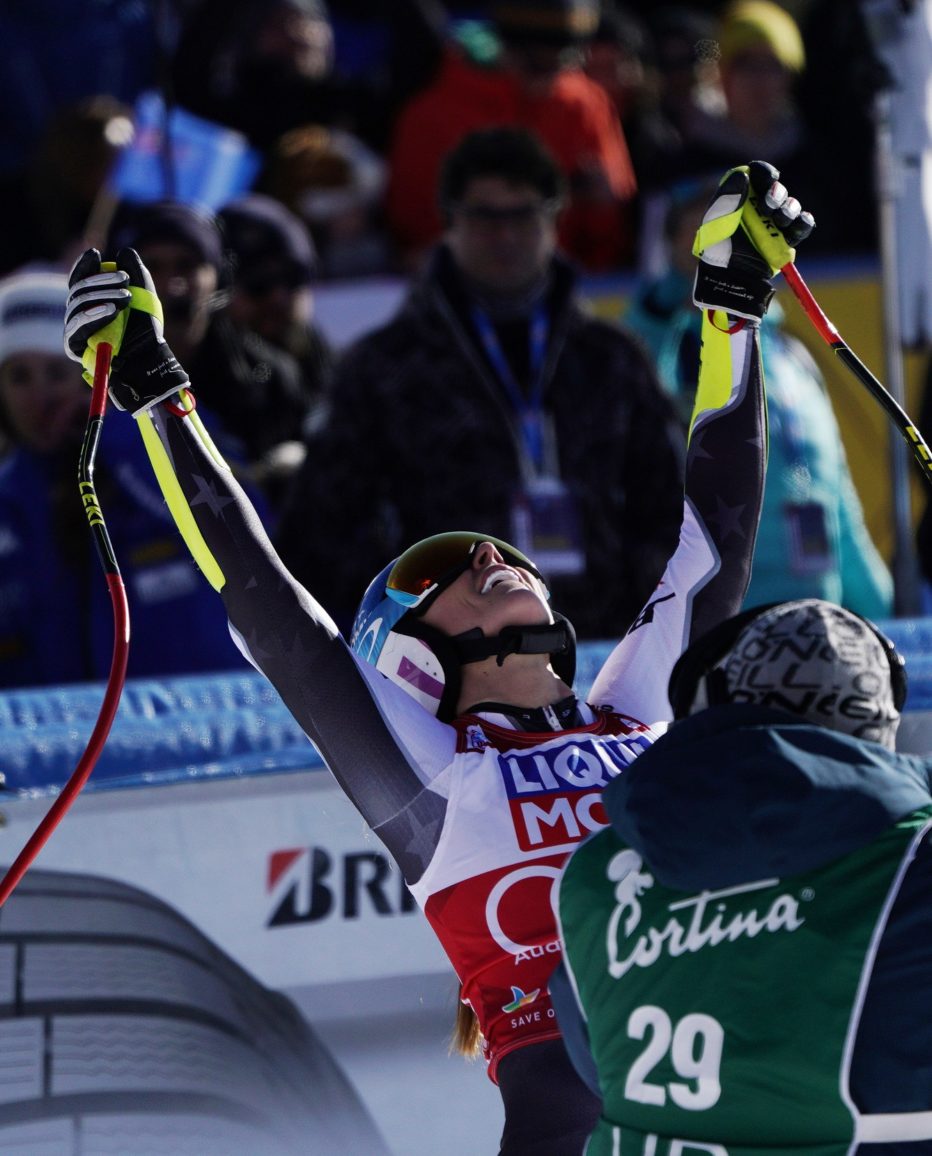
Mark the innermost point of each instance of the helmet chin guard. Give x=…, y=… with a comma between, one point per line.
x=426, y=663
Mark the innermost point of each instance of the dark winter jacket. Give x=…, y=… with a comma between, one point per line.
x=742, y=792
x=422, y=438
x=729, y=801
x=257, y=391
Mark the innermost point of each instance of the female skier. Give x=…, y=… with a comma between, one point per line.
x=449, y=719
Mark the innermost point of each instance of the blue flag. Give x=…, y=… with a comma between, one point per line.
x=181, y=157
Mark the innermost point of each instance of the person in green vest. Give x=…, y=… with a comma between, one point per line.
x=748, y=946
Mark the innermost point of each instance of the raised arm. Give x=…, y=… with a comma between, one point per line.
x=381, y=746
x=706, y=579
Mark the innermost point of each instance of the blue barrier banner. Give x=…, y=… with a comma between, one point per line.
x=225, y=725
x=178, y=156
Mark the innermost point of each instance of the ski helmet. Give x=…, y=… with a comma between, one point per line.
x=390, y=633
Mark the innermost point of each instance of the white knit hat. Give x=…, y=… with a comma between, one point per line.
x=817, y=660
x=32, y=313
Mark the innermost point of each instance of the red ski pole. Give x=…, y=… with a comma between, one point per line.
x=117, y=675
x=833, y=339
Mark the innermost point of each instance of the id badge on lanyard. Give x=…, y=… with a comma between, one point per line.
x=545, y=521
x=810, y=547
x=545, y=526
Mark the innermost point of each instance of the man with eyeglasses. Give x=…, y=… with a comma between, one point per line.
x=493, y=398
x=449, y=718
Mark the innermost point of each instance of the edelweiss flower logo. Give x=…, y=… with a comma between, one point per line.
x=624, y=870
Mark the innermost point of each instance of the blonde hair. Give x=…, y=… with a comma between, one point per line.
x=466, y=1039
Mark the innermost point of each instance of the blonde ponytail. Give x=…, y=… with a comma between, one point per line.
x=466, y=1038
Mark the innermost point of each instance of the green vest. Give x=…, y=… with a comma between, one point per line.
x=721, y=1022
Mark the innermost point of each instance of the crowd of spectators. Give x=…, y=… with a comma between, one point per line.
x=351, y=109
x=490, y=156
x=351, y=106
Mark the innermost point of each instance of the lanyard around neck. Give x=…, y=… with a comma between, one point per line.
x=529, y=407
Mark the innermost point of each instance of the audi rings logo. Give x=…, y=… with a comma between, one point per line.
x=513, y=898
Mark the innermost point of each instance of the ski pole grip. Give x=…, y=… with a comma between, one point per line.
x=766, y=237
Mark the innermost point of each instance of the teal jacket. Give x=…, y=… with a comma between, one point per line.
x=812, y=541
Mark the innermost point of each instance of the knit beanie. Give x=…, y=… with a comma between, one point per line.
x=750, y=24
x=151, y=223
x=32, y=314
x=259, y=230
x=817, y=660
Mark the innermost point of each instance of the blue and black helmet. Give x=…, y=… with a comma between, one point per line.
x=390, y=633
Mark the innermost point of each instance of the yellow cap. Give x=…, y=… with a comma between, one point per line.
x=751, y=24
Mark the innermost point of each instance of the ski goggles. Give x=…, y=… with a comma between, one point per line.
x=428, y=567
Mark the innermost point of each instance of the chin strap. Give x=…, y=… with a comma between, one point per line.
x=552, y=639
x=557, y=639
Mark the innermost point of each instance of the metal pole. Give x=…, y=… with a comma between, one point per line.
x=889, y=191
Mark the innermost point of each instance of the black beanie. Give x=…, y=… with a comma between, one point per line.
x=146, y=224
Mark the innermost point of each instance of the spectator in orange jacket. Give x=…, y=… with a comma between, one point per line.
x=536, y=83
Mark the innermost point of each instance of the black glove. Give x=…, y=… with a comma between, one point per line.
x=118, y=304
x=746, y=237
